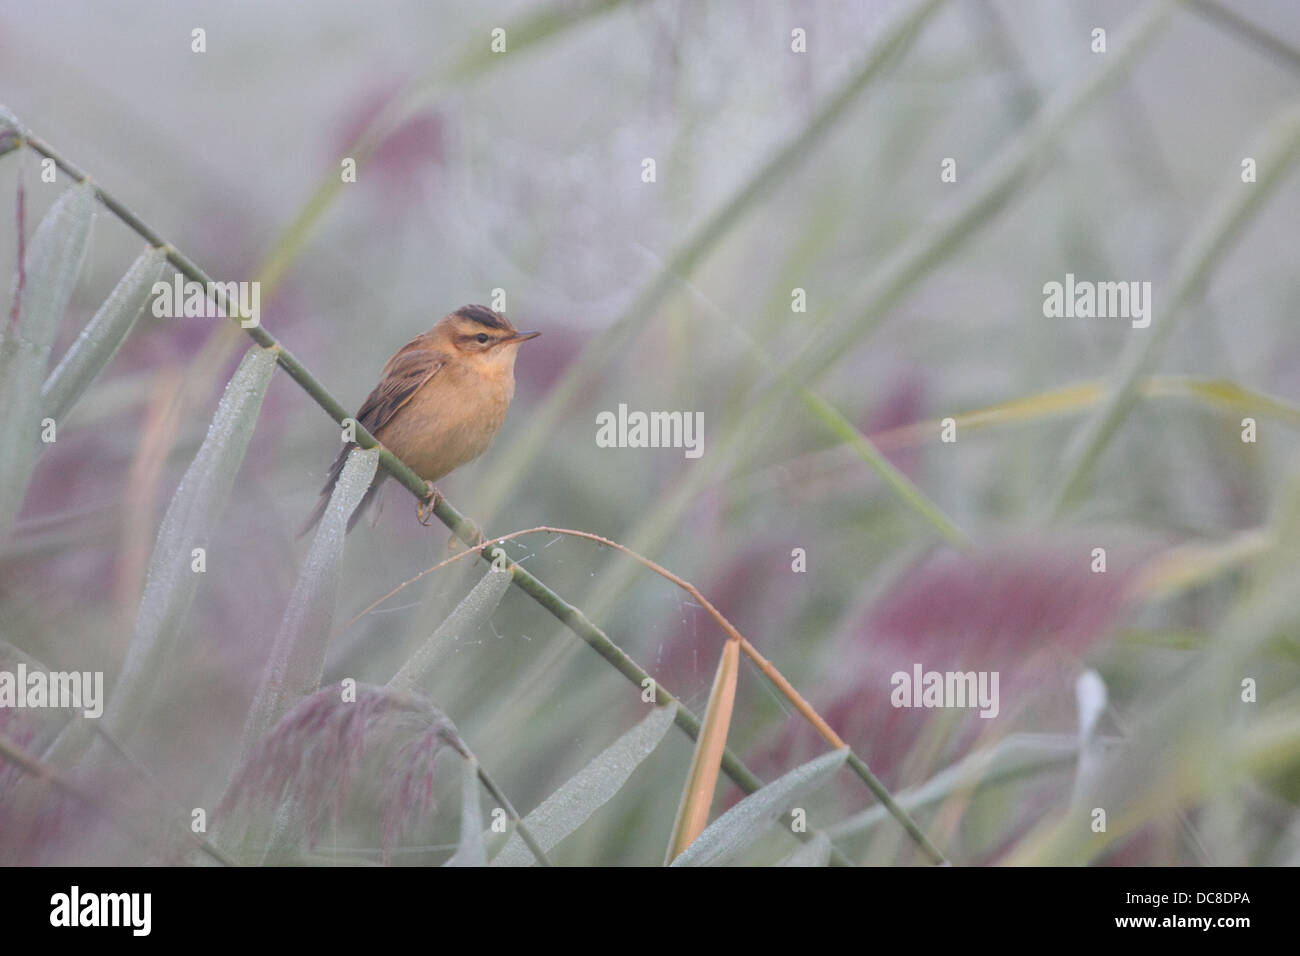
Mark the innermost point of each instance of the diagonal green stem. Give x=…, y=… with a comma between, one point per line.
x=571, y=616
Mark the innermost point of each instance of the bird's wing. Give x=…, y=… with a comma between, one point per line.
x=413, y=365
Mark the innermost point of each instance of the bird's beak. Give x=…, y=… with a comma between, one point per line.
x=523, y=336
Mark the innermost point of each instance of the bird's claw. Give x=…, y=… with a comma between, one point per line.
x=424, y=507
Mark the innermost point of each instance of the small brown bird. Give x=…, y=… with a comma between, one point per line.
x=440, y=401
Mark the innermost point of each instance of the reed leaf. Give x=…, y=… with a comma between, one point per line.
x=48, y=278
x=1011, y=758
x=1219, y=394
x=1222, y=394
x=1186, y=566
x=100, y=340
x=744, y=824
x=702, y=779
x=589, y=789
x=191, y=518
x=472, y=850
x=297, y=659
x=473, y=610
x=842, y=428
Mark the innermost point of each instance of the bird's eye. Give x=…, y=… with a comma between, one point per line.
x=482, y=338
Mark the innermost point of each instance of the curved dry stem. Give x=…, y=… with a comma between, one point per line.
x=751, y=652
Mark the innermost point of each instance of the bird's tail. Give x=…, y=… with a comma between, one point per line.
x=322, y=503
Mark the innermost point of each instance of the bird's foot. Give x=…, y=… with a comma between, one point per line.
x=424, y=507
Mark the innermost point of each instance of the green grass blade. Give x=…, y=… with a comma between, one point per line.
x=1238, y=203
x=743, y=825
x=589, y=789
x=902, y=486
x=895, y=38
x=50, y=270
x=1003, y=182
x=1218, y=394
x=842, y=428
x=100, y=339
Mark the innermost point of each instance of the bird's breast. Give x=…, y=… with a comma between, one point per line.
x=451, y=420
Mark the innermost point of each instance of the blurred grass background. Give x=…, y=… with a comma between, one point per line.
x=522, y=171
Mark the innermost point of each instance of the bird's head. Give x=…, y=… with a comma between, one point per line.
x=482, y=338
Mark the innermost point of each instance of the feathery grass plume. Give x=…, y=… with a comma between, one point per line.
x=314, y=756
x=1022, y=610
